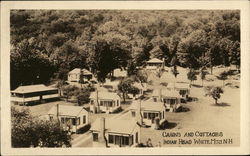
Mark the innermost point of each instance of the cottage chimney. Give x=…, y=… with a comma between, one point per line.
x=163, y=63
x=138, y=113
x=101, y=137
x=97, y=101
x=57, y=112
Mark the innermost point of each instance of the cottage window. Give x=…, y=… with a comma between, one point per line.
x=149, y=115
x=125, y=140
x=91, y=102
x=78, y=121
x=117, y=102
x=133, y=113
x=73, y=121
x=145, y=115
x=95, y=136
x=111, y=139
x=101, y=103
x=63, y=120
x=155, y=99
x=136, y=137
x=83, y=119
x=117, y=140
x=51, y=118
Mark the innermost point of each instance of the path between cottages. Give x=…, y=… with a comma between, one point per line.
x=81, y=139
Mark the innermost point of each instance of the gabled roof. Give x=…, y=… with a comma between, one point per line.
x=78, y=70
x=65, y=110
x=148, y=105
x=104, y=95
x=178, y=85
x=123, y=126
x=155, y=60
x=32, y=88
x=166, y=93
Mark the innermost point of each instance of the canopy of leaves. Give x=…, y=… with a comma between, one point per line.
x=47, y=44
x=214, y=92
x=27, y=131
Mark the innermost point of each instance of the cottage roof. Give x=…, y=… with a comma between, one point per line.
x=32, y=88
x=166, y=93
x=78, y=70
x=124, y=126
x=178, y=85
x=148, y=105
x=66, y=110
x=104, y=95
x=155, y=60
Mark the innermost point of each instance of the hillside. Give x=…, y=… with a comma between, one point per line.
x=46, y=44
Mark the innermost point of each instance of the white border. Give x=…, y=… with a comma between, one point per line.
x=243, y=6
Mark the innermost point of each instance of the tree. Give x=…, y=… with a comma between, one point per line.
x=223, y=76
x=134, y=90
x=124, y=86
x=28, y=65
x=141, y=76
x=214, y=92
x=175, y=72
x=203, y=74
x=27, y=131
x=234, y=54
x=83, y=97
x=191, y=76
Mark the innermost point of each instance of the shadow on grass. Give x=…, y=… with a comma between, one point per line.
x=83, y=129
x=197, y=86
x=182, y=109
x=190, y=99
x=222, y=104
x=168, y=125
x=118, y=110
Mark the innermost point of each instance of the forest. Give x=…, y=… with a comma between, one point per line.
x=47, y=44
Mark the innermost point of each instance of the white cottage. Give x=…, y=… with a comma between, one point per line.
x=155, y=63
x=102, y=101
x=71, y=118
x=149, y=110
x=75, y=75
x=182, y=88
x=115, y=133
x=31, y=94
x=170, y=98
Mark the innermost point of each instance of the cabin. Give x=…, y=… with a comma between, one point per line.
x=149, y=111
x=33, y=94
x=155, y=63
x=182, y=88
x=142, y=87
x=72, y=118
x=170, y=98
x=103, y=101
x=115, y=132
x=120, y=73
x=75, y=75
